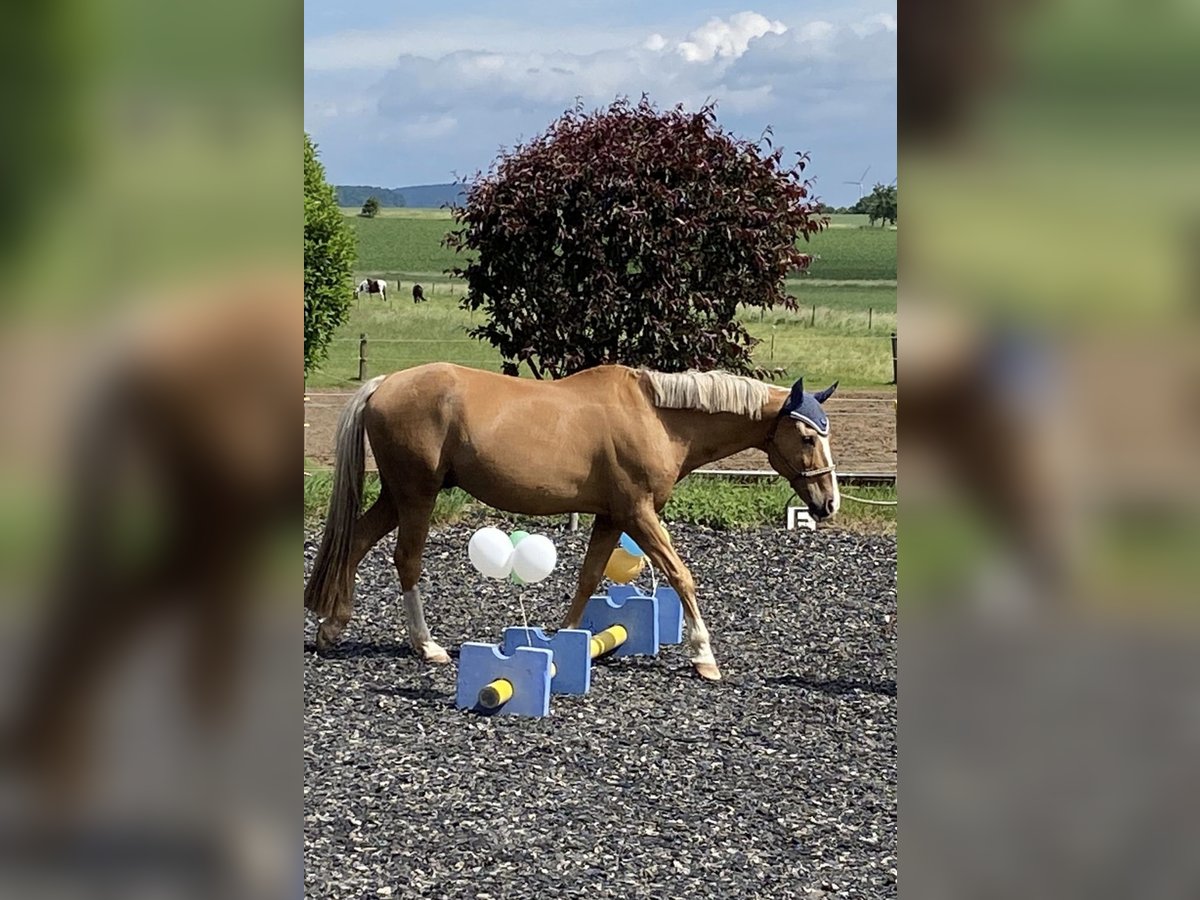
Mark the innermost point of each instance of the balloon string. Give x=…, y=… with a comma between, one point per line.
x=525, y=619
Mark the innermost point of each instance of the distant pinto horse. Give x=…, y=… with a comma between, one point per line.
x=372, y=286
x=611, y=441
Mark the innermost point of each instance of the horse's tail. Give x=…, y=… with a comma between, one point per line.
x=330, y=582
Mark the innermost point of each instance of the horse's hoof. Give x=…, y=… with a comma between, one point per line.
x=708, y=671
x=325, y=643
x=436, y=655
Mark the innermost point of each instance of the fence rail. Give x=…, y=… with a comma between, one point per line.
x=490, y=360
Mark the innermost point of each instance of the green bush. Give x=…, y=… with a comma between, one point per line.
x=631, y=235
x=329, y=251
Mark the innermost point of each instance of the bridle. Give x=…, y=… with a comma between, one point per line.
x=795, y=473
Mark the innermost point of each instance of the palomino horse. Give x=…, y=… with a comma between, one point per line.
x=611, y=441
x=372, y=286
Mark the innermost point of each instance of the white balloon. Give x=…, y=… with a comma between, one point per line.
x=534, y=558
x=491, y=552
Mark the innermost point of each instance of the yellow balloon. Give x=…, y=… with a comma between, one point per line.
x=623, y=566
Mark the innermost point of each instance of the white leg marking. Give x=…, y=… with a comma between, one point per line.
x=414, y=617
x=418, y=631
x=699, y=649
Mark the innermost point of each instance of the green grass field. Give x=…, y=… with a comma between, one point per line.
x=717, y=503
x=839, y=346
x=407, y=242
x=840, y=331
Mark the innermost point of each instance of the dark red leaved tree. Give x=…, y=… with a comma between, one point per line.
x=631, y=235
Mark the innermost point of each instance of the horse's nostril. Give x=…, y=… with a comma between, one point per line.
x=829, y=507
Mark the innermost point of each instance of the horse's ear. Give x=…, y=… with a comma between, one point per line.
x=827, y=393
x=795, y=398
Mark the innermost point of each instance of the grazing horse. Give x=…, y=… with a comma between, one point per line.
x=418, y=294
x=611, y=441
x=372, y=286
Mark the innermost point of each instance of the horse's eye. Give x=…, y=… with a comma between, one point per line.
x=809, y=441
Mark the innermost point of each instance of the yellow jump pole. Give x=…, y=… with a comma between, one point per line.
x=500, y=691
x=497, y=693
x=608, y=640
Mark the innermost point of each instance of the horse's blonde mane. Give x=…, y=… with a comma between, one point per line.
x=712, y=392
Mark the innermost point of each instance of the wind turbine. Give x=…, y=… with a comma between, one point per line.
x=861, y=178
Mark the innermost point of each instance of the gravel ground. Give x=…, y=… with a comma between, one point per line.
x=779, y=781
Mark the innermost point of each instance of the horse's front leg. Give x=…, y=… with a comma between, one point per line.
x=410, y=545
x=650, y=536
x=600, y=547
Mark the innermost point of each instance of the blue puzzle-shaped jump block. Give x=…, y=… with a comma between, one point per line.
x=572, y=655
x=637, y=612
x=670, y=610
x=527, y=669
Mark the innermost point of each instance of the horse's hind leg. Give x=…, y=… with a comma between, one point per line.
x=410, y=544
x=600, y=548
x=650, y=537
x=370, y=527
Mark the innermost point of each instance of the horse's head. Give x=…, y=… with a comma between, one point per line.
x=798, y=449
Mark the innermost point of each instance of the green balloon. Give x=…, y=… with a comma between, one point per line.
x=516, y=537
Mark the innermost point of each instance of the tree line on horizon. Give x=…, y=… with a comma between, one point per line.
x=420, y=196
x=358, y=194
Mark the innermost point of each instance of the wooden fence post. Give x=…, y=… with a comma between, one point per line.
x=813, y=321
x=573, y=524
x=362, y=356
x=894, y=367
x=870, y=316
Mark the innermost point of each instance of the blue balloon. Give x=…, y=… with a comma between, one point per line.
x=630, y=546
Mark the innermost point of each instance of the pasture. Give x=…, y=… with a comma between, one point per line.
x=407, y=242
x=841, y=330
x=836, y=344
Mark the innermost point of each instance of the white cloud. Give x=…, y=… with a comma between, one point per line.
x=345, y=109
x=727, y=38
x=355, y=49
x=880, y=22
x=825, y=85
x=352, y=50
x=428, y=128
x=817, y=32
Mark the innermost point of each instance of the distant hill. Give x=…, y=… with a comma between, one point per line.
x=421, y=196
x=357, y=194
x=431, y=196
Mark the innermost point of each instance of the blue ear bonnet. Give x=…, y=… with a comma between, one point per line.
x=806, y=407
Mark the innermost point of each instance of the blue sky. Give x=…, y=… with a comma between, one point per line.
x=404, y=93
